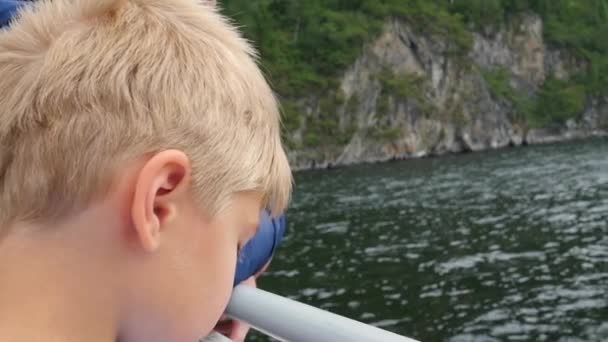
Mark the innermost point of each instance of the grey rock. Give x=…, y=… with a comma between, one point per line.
x=465, y=116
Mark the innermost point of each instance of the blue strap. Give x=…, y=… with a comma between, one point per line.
x=8, y=9
x=260, y=249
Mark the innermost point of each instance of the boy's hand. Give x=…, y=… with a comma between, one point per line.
x=236, y=330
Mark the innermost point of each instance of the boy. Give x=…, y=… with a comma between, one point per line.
x=138, y=144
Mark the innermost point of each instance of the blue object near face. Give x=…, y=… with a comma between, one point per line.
x=8, y=9
x=260, y=249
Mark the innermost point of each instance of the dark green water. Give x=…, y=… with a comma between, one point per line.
x=503, y=245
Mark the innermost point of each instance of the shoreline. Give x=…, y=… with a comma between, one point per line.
x=548, y=139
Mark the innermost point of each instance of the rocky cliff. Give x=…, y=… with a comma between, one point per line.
x=410, y=94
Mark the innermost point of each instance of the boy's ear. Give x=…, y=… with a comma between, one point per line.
x=160, y=185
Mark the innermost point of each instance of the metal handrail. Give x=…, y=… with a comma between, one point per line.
x=291, y=321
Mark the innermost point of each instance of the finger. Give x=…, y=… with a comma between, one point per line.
x=239, y=331
x=224, y=328
x=249, y=282
x=263, y=269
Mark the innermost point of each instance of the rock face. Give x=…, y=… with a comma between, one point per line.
x=447, y=104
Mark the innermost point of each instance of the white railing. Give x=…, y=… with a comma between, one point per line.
x=288, y=320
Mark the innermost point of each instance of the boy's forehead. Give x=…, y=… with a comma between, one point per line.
x=251, y=200
x=248, y=207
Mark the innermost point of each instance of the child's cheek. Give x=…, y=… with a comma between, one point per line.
x=218, y=284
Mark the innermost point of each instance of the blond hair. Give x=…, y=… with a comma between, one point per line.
x=88, y=84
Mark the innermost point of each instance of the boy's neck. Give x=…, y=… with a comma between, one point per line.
x=50, y=291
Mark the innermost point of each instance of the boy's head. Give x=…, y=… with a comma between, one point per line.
x=146, y=127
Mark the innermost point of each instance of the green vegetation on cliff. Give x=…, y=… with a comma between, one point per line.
x=306, y=45
x=556, y=102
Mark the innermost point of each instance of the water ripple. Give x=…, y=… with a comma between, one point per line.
x=505, y=245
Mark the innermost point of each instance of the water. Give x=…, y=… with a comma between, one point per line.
x=508, y=245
